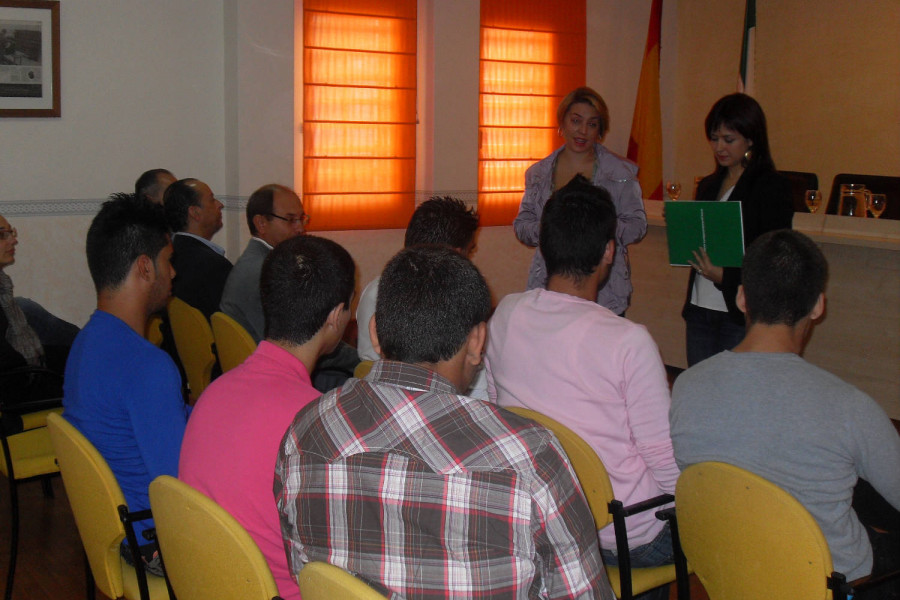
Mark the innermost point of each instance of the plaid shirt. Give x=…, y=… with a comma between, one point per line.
x=432, y=495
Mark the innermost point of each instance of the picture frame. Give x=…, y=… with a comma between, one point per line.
x=29, y=58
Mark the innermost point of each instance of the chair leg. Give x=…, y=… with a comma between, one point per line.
x=47, y=486
x=89, y=579
x=13, y=534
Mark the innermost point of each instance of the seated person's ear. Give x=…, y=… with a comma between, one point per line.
x=475, y=343
x=740, y=300
x=374, y=336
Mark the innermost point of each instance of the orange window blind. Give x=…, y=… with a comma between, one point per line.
x=532, y=55
x=359, y=113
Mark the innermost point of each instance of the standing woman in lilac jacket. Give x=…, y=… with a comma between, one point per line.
x=583, y=121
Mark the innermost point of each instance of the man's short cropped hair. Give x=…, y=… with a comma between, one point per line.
x=302, y=280
x=261, y=202
x=429, y=299
x=784, y=272
x=178, y=199
x=147, y=185
x=578, y=221
x=443, y=221
x=122, y=231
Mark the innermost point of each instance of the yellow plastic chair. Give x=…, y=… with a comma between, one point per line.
x=322, y=581
x=153, y=331
x=101, y=516
x=25, y=454
x=195, y=344
x=233, y=343
x=626, y=581
x=747, y=538
x=363, y=368
x=206, y=552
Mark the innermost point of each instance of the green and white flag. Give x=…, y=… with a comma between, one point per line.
x=748, y=56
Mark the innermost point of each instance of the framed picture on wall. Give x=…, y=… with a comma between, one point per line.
x=29, y=58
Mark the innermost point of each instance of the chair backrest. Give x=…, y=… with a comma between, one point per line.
x=95, y=496
x=207, y=553
x=194, y=342
x=800, y=182
x=322, y=581
x=587, y=465
x=879, y=184
x=153, y=331
x=233, y=343
x=363, y=368
x=745, y=537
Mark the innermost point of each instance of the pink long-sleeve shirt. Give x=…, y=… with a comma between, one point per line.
x=600, y=375
x=232, y=440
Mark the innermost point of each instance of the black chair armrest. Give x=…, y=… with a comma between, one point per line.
x=681, y=567
x=128, y=520
x=869, y=582
x=638, y=507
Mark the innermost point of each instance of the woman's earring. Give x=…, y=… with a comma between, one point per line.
x=559, y=131
x=747, y=156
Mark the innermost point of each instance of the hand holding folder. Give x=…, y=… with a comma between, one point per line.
x=715, y=226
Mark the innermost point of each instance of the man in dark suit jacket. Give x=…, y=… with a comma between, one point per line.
x=274, y=214
x=200, y=265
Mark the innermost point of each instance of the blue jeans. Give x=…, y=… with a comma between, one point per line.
x=655, y=553
x=709, y=332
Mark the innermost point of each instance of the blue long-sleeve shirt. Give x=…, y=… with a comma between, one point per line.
x=124, y=395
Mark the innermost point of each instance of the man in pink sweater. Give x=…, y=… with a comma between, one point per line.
x=232, y=438
x=558, y=352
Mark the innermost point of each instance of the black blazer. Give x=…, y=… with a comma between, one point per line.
x=766, y=205
x=200, y=274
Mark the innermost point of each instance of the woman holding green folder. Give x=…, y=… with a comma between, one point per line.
x=745, y=173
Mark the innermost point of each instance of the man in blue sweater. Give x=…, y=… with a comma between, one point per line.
x=122, y=392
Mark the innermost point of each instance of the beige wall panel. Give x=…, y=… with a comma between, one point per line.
x=829, y=81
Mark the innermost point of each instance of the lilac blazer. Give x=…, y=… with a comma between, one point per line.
x=619, y=177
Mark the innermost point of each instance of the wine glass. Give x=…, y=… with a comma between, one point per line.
x=876, y=204
x=813, y=199
x=673, y=189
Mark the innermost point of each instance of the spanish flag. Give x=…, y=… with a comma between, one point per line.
x=645, y=143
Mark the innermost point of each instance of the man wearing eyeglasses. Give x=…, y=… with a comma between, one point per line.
x=274, y=214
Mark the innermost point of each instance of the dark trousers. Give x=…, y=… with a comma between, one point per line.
x=709, y=332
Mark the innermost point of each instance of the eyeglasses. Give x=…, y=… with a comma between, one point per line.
x=302, y=219
x=5, y=234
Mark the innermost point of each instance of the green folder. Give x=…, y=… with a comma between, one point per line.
x=716, y=226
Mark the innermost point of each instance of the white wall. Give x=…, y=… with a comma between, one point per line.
x=141, y=87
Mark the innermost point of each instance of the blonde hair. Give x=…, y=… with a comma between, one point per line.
x=584, y=95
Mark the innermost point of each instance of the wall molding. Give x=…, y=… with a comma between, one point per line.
x=90, y=206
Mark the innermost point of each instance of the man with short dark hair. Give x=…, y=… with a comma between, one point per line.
x=274, y=214
x=443, y=221
x=195, y=215
x=419, y=490
x=558, y=352
x=151, y=186
x=763, y=408
x=235, y=430
x=122, y=392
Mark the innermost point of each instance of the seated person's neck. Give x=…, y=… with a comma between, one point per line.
x=584, y=288
x=778, y=338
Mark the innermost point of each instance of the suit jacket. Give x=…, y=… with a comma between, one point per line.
x=200, y=274
x=240, y=298
x=766, y=205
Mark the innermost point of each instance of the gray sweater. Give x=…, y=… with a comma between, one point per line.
x=798, y=426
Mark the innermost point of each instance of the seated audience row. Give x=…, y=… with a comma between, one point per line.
x=420, y=489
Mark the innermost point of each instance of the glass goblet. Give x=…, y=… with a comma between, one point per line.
x=813, y=199
x=876, y=204
x=673, y=189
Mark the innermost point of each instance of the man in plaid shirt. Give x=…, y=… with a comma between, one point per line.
x=420, y=491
